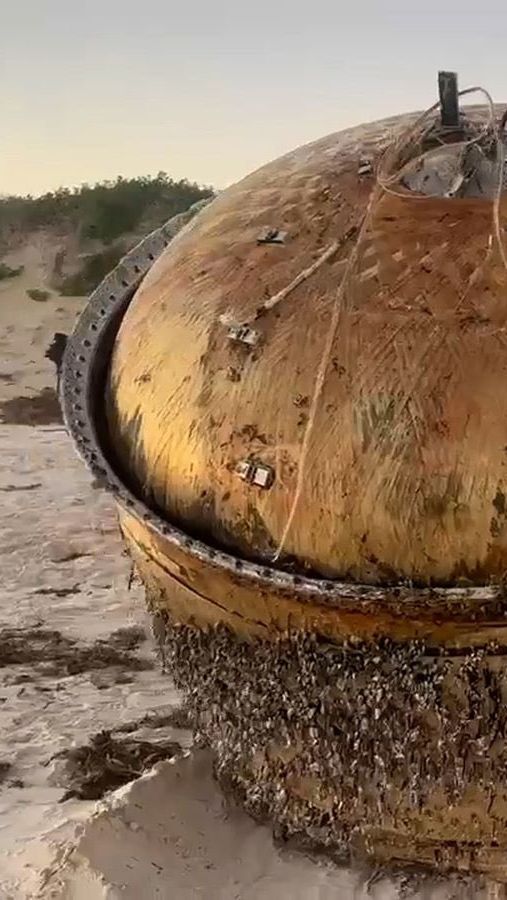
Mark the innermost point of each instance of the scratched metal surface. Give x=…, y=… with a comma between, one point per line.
x=406, y=467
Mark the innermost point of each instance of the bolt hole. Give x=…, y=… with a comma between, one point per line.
x=102, y=312
x=87, y=343
x=238, y=564
x=93, y=326
x=81, y=358
x=112, y=296
x=151, y=257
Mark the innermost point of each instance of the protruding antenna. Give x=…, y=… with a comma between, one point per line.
x=449, y=102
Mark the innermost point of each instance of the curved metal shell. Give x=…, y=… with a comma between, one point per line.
x=396, y=308
x=374, y=391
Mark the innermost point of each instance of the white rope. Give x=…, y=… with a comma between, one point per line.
x=302, y=276
x=320, y=380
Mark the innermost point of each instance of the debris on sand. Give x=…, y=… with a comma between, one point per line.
x=42, y=409
x=106, y=763
x=9, y=488
x=5, y=768
x=38, y=295
x=58, y=592
x=32, y=646
x=55, y=353
x=127, y=638
x=176, y=718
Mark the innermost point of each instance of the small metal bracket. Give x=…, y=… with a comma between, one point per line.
x=449, y=99
x=256, y=473
x=365, y=167
x=272, y=236
x=243, y=334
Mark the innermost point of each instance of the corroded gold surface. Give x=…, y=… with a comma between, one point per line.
x=405, y=474
x=194, y=591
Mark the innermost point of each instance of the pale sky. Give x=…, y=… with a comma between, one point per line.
x=211, y=89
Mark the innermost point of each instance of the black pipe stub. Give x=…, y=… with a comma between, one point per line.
x=449, y=99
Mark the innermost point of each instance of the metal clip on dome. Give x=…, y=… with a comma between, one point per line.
x=365, y=167
x=272, y=236
x=243, y=334
x=256, y=473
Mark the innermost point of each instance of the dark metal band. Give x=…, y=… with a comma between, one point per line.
x=84, y=366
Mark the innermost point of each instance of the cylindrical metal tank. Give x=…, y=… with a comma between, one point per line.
x=298, y=402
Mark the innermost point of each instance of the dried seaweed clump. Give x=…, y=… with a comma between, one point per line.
x=42, y=409
x=43, y=646
x=106, y=763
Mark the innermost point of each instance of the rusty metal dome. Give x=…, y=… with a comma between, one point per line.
x=307, y=377
x=297, y=389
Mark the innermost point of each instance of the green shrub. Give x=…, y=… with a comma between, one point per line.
x=39, y=296
x=7, y=272
x=104, y=211
x=94, y=269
